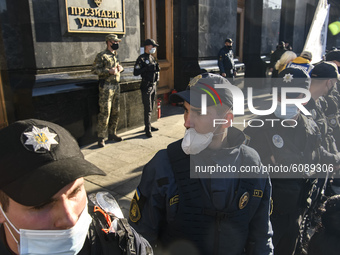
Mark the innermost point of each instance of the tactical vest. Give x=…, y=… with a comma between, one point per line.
x=196, y=221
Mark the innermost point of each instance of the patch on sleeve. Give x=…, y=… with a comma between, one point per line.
x=136, y=206
x=258, y=193
x=174, y=200
x=243, y=200
x=134, y=213
x=137, y=67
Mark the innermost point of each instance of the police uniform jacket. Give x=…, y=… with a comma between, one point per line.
x=100, y=243
x=293, y=147
x=215, y=215
x=226, y=61
x=147, y=66
x=104, y=61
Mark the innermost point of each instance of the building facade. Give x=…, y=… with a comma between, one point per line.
x=47, y=49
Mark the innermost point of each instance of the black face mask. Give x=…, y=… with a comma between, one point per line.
x=115, y=46
x=229, y=47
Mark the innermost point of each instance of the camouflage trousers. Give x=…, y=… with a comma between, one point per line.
x=108, y=109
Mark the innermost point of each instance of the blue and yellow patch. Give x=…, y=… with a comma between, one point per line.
x=174, y=200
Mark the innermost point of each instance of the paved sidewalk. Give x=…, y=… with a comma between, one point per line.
x=123, y=161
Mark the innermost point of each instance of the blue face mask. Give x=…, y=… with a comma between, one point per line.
x=291, y=111
x=66, y=242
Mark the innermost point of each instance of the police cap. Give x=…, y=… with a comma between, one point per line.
x=37, y=159
x=325, y=70
x=293, y=78
x=150, y=42
x=333, y=55
x=205, y=84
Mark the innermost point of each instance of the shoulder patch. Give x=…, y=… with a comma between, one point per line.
x=277, y=141
x=134, y=213
x=244, y=199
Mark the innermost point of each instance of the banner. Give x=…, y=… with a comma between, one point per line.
x=317, y=35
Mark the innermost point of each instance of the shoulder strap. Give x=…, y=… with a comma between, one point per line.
x=126, y=237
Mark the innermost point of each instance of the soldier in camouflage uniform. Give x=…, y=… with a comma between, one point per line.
x=324, y=77
x=108, y=69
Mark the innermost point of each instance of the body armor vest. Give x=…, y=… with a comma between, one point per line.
x=210, y=230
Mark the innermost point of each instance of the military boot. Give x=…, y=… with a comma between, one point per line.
x=101, y=142
x=115, y=138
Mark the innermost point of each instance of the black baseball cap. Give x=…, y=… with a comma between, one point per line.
x=205, y=84
x=37, y=159
x=293, y=78
x=150, y=42
x=333, y=55
x=325, y=70
x=229, y=40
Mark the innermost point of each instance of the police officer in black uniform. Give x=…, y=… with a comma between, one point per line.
x=192, y=212
x=146, y=65
x=295, y=145
x=226, y=60
x=43, y=203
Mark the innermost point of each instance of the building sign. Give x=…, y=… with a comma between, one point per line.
x=95, y=16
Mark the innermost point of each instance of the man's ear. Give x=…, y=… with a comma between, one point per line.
x=229, y=117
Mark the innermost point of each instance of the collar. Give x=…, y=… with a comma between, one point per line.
x=235, y=138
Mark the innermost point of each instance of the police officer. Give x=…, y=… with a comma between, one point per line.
x=324, y=77
x=226, y=60
x=296, y=144
x=180, y=206
x=43, y=202
x=107, y=67
x=146, y=65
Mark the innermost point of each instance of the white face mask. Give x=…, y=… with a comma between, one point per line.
x=193, y=142
x=61, y=242
x=291, y=111
x=152, y=51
